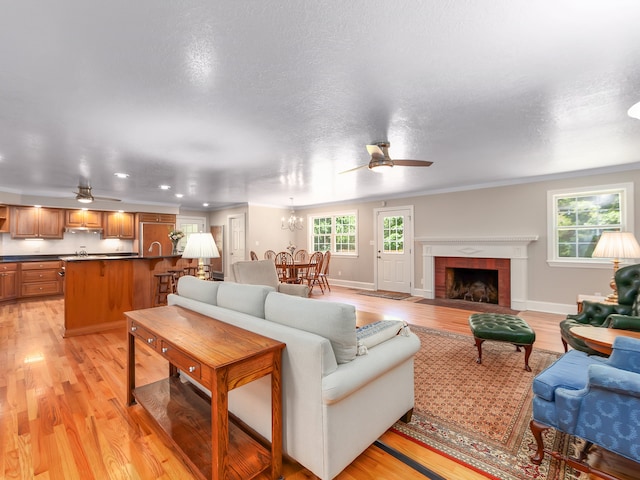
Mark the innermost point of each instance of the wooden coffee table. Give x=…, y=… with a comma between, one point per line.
x=220, y=357
x=601, y=339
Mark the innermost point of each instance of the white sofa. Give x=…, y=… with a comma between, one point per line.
x=335, y=403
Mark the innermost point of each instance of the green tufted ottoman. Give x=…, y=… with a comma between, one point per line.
x=502, y=328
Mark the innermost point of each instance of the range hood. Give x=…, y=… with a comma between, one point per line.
x=83, y=229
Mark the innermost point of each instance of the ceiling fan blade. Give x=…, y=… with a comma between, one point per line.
x=374, y=150
x=108, y=199
x=354, y=168
x=413, y=163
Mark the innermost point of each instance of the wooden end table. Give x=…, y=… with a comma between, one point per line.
x=220, y=357
x=601, y=339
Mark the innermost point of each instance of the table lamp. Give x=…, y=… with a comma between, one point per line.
x=616, y=245
x=200, y=246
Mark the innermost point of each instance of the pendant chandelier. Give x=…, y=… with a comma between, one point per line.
x=293, y=223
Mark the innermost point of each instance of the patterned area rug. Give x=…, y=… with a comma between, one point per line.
x=479, y=415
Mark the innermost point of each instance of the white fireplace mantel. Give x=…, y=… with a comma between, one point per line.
x=513, y=247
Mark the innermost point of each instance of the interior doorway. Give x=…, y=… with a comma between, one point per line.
x=394, y=249
x=236, y=238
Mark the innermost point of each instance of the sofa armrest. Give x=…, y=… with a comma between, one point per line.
x=352, y=376
x=623, y=322
x=595, y=313
x=294, y=289
x=615, y=380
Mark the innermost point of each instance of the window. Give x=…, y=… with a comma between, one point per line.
x=393, y=234
x=337, y=233
x=189, y=225
x=578, y=218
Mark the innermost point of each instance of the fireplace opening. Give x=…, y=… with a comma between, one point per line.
x=472, y=284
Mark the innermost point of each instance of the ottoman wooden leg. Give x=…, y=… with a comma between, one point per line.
x=479, y=345
x=527, y=354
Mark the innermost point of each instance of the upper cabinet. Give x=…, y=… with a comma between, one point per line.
x=4, y=218
x=156, y=218
x=119, y=225
x=37, y=222
x=83, y=219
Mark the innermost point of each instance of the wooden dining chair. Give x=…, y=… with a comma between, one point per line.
x=324, y=271
x=269, y=255
x=253, y=255
x=301, y=256
x=285, y=267
x=313, y=271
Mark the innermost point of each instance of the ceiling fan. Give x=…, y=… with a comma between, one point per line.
x=84, y=195
x=380, y=158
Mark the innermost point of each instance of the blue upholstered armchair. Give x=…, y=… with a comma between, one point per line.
x=592, y=398
x=624, y=314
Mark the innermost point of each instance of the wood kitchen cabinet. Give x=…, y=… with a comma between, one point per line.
x=83, y=219
x=37, y=222
x=156, y=218
x=4, y=218
x=8, y=281
x=40, y=278
x=119, y=225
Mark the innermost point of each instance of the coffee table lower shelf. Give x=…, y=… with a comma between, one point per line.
x=185, y=417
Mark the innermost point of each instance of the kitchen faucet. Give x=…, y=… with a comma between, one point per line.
x=159, y=247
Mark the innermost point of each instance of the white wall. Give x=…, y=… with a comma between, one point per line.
x=71, y=243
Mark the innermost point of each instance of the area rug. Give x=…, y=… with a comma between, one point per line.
x=385, y=294
x=467, y=305
x=478, y=414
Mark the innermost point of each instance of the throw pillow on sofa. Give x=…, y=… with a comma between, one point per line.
x=196, y=289
x=332, y=320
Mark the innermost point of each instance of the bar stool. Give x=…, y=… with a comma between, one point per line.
x=177, y=273
x=165, y=284
x=190, y=270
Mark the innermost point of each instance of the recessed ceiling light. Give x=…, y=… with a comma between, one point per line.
x=165, y=187
x=634, y=111
x=179, y=195
x=205, y=204
x=121, y=175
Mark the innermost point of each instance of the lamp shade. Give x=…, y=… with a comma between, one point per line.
x=200, y=245
x=617, y=245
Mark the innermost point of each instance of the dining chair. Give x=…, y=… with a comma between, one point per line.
x=324, y=271
x=253, y=255
x=269, y=255
x=301, y=256
x=284, y=266
x=313, y=271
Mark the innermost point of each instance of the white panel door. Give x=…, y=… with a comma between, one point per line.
x=394, y=240
x=236, y=238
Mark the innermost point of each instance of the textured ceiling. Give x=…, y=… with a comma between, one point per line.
x=260, y=101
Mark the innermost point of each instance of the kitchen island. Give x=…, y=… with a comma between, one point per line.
x=98, y=289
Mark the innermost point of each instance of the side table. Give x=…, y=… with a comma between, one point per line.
x=590, y=298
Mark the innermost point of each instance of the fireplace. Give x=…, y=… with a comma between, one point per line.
x=474, y=279
x=507, y=254
x=471, y=284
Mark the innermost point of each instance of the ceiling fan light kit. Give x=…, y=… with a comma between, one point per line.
x=84, y=195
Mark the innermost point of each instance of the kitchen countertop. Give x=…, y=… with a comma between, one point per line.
x=72, y=258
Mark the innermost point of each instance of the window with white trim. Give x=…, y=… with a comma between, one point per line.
x=337, y=233
x=578, y=217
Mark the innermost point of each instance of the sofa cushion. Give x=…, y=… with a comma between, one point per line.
x=247, y=299
x=368, y=336
x=332, y=320
x=196, y=289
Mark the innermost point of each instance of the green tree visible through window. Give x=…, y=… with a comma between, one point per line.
x=393, y=232
x=581, y=219
x=336, y=233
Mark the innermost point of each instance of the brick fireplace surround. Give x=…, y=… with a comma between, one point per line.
x=470, y=252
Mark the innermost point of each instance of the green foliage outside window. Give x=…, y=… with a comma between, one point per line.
x=581, y=219
x=393, y=232
x=337, y=234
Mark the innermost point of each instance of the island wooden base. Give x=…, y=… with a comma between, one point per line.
x=185, y=418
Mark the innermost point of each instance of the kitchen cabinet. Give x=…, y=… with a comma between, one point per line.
x=83, y=219
x=8, y=281
x=119, y=225
x=40, y=278
x=37, y=222
x=156, y=218
x=4, y=218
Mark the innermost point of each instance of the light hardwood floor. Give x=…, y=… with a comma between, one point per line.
x=62, y=401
